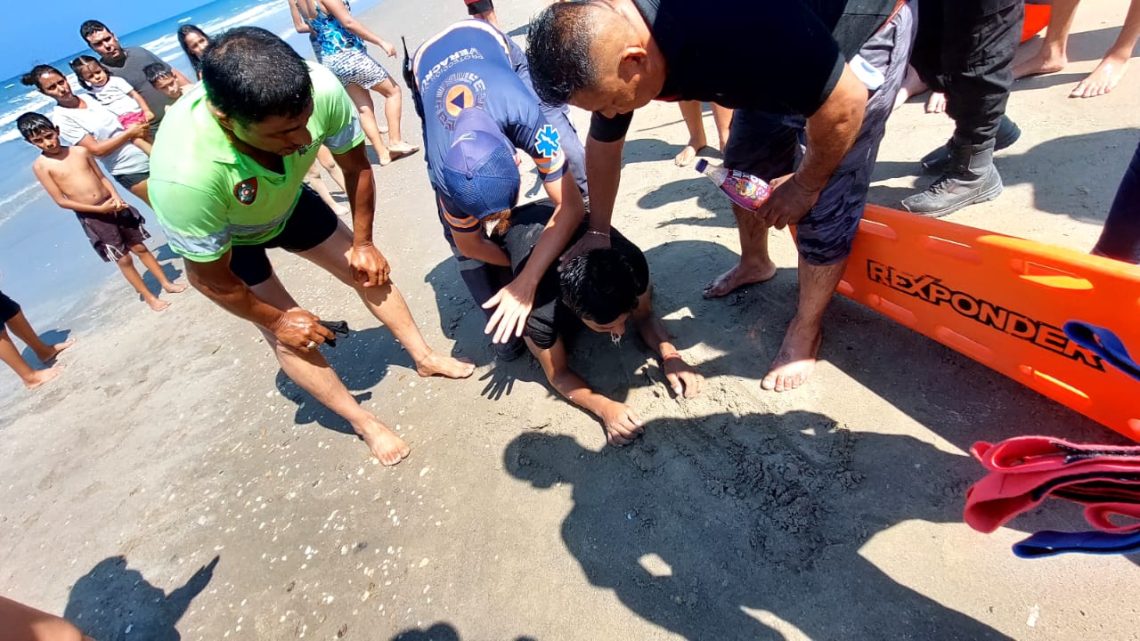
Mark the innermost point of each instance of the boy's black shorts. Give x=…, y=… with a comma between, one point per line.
x=8, y=308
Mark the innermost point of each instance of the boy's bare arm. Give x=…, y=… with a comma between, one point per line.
x=43, y=174
x=682, y=378
x=145, y=108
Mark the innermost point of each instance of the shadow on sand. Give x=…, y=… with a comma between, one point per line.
x=113, y=602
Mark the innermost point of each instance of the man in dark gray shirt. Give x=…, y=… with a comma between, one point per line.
x=129, y=64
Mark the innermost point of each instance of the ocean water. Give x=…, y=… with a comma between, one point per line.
x=46, y=263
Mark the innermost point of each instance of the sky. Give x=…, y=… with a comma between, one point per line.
x=45, y=31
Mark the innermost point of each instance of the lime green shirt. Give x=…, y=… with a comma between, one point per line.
x=208, y=196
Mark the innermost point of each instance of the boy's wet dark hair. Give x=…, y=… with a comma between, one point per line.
x=558, y=51
x=599, y=286
x=32, y=123
x=251, y=74
x=91, y=26
x=82, y=61
x=32, y=78
x=156, y=70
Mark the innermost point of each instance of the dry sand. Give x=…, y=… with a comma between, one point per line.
x=174, y=485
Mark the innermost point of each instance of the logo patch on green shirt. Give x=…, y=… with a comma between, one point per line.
x=246, y=191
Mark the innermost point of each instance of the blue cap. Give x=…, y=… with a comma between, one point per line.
x=479, y=170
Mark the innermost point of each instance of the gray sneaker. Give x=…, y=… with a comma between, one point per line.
x=952, y=192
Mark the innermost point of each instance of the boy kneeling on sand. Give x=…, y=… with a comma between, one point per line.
x=603, y=289
x=74, y=181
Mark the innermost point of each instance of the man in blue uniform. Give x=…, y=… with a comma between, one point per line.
x=473, y=91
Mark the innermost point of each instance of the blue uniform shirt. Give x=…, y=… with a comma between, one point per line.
x=471, y=65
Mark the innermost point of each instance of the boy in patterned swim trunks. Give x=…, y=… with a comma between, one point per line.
x=74, y=181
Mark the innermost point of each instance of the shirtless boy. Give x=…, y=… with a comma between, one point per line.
x=74, y=181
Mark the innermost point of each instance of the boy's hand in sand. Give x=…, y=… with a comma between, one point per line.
x=369, y=267
x=300, y=329
x=621, y=423
x=683, y=379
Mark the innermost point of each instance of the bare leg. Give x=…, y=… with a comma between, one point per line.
x=1052, y=55
x=387, y=304
x=151, y=264
x=127, y=266
x=325, y=157
x=23, y=331
x=140, y=192
x=691, y=112
x=393, y=109
x=312, y=373
x=796, y=358
x=912, y=86
x=316, y=183
x=1113, y=66
x=363, y=101
x=32, y=378
x=722, y=116
x=755, y=265
x=28, y=624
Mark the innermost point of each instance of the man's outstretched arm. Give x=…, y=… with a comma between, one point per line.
x=683, y=379
x=620, y=422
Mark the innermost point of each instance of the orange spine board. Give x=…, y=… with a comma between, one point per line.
x=1003, y=302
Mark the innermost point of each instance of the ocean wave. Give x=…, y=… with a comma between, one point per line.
x=16, y=202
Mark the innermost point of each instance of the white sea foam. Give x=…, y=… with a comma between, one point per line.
x=14, y=203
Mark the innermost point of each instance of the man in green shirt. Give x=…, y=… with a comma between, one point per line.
x=226, y=183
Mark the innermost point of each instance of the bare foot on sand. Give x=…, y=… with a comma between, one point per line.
x=738, y=277
x=688, y=154
x=48, y=357
x=383, y=442
x=39, y=377
x=176, y=287
x=1043, y=62
x=1103, y=79
x=445, y=366
x=796, y=360
x=157, y=305
x=401, y=149
x=936, y=103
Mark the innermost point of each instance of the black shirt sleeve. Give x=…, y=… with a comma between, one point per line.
x=605, y=129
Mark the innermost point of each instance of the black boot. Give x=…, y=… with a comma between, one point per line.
x=972, y=178
x=938, y=161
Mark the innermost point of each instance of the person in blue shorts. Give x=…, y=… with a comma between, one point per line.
x=472, y=88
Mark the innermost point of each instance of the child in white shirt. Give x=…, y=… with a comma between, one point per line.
x=114, y=93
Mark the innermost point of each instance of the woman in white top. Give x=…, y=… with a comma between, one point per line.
x=88, y=124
